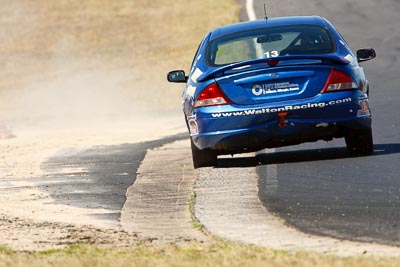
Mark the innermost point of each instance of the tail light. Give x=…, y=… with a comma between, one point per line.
x=339, y=80
x=212, y=95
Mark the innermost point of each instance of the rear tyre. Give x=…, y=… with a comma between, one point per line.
x=203, y=157
x=359, y=142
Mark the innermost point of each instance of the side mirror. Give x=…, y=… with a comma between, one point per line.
x=177, y=76
x=365, y=54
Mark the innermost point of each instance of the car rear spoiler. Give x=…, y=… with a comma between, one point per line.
x=217, y=71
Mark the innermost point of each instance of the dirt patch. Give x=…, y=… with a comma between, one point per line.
x=28, y=235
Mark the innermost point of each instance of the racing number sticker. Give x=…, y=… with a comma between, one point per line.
x=269, y=54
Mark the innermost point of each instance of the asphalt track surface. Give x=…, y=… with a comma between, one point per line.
x=317, y=187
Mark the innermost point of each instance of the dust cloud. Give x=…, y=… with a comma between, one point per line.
x=69, y=68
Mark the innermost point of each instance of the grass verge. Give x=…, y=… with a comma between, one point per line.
x=216, y=253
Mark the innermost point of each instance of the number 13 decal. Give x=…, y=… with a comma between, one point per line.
x=272, y=53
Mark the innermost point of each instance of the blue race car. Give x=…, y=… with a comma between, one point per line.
x=275, y=82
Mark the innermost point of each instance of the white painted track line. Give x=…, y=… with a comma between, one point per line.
x=250, y=10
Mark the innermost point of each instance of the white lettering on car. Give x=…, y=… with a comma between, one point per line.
x=273, y=88
x=269, y=54
x=250, y=112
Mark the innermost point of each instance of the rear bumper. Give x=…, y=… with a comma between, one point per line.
x=273, y=134
x=229, y=129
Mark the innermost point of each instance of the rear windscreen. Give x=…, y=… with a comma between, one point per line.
x=269, y=43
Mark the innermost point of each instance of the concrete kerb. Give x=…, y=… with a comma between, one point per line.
x=157, y=204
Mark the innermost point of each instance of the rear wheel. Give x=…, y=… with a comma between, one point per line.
x=203, y=157
x=360, y=142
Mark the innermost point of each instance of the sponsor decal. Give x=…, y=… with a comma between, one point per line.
x=364, y=111
x=193, y=128
x=196, y=74
x=250, y=112
x=349, y=58
x=190, y=90
x=274, y=88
